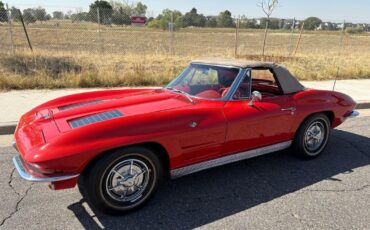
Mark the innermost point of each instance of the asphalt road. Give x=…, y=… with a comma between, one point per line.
x=276, y=191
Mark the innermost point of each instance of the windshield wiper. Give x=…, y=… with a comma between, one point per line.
x=182, y=92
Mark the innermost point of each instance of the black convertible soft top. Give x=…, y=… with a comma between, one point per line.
x=288, y=82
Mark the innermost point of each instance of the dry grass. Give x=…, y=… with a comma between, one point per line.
x=43, y=70
x=74, y=55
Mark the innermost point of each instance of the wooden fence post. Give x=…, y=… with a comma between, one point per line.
x=25, y=30
x=299, y=40
x=237, y=37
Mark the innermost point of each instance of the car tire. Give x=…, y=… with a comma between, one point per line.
x=122, y=181
x=312, y=136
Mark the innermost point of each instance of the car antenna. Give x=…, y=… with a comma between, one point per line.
x=339, y=54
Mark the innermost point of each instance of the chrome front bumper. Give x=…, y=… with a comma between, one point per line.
x=354, y=114
x=29, y=177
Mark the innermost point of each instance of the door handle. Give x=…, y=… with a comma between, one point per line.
x=293, y=109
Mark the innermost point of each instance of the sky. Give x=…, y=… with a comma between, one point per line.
x=328, y=10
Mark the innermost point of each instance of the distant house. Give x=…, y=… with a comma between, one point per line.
x=327, y=26
x=210, y=17
x=258, y=21
x=339, y=25
x=138, y=20
x=367, y=27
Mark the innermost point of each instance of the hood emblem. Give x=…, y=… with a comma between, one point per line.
x=193, y=124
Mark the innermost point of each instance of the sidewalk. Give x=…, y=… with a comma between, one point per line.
x=15, y=103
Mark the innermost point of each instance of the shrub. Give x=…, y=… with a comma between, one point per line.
x=355, y=30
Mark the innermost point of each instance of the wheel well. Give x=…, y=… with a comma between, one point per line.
x=156, y=147
x=330, y=115
x=162, y=153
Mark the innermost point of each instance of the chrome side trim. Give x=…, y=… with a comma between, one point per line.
x=27, y=176
x=293, y=109
x=354, y=114
x=176, y=173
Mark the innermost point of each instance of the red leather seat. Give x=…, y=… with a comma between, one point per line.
x=224, y=91
x=209, y=94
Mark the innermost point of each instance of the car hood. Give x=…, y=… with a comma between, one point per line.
x=125, y=103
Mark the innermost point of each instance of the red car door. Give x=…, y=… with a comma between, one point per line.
x=268, y=122
x=203, y=136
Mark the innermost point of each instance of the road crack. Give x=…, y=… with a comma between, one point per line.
x=16, y=208
x=338, y=190
x=10, y=181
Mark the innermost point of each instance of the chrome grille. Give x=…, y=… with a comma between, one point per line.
x=95, y=118
x=78, y=105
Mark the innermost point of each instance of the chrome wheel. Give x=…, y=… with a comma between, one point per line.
x=315, y=137
x=312, y=136
x=127, y=180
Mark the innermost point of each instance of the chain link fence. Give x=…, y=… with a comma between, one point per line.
x=109, y=44
x=97, y=32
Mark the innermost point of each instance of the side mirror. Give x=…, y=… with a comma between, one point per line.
x=256, y=96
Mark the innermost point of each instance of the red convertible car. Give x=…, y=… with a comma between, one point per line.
x=117, y=145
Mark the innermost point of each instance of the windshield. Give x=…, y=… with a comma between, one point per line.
x=210, y=82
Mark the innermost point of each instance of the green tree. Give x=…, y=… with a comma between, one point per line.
x=29, y=15
x=251, y=23
x=330, y=26
x=58, y=15
x=105, y=12
x=81, y=16
x=355, y=30
x=273, y=23
x=192, y=18
x=211, y=22
x=121, y=17
x=162, y=21
x=122, y=12
x=48, y=17
x=140, y=8
x=312, y=23
x=224, y=19
x=150, y=19
x=3, y=13
x=40, y=14
x=15, y=14
x=247, y=23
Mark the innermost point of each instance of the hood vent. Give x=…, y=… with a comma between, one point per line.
x=79, y=105
x=83, y=121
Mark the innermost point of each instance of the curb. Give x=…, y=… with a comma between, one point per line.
x=9, y=127
x=363, y=105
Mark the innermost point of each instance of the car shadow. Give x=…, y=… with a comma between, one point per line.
x=207, y=196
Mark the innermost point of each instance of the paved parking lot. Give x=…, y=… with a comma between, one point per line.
x=276, y=191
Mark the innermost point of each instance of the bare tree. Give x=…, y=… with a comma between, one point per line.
x=268, y=7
